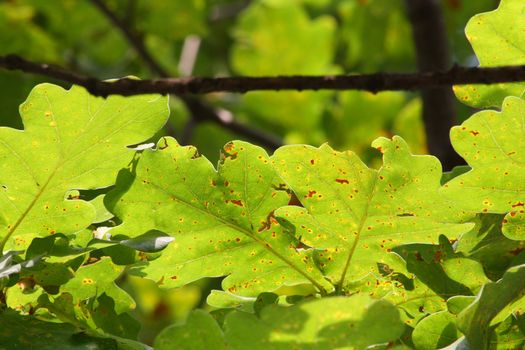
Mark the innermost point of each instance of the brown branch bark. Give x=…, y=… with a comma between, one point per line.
x=195, y=85
x=432, y=51
x=199, y=111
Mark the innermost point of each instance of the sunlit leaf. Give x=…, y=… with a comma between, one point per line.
x=221, y=220
x=59, y=150
x=357, y=215
x=492, y=144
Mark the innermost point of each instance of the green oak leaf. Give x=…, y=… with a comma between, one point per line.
x=495, y=302
x=355, y=322
x=436, y=331
x=497, y=39
x=221, y=219
x=71, y=140
x=356, y=214
x=492, y=143
x=93, y=280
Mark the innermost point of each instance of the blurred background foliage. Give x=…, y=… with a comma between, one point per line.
x=237, y=37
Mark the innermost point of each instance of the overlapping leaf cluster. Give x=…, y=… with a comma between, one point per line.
x=314, y=249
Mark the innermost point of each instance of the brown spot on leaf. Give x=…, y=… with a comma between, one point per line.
x=475, y=133
x=310, y=194
x=236, y=202
x=342, y=181
x=519, y=204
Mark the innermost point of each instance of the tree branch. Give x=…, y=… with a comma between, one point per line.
x=195, y=85
x=439, y=114
x=199, y=111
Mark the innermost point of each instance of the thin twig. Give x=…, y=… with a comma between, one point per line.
x=195, y=85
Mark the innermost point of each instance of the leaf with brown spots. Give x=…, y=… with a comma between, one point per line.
x=497, y=40
x=221, y=219
x=496, y=183
x=71, y=141
x=357, y=214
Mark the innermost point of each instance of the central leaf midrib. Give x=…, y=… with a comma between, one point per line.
x=28, y=209
x=358, y=236
x=244, y=231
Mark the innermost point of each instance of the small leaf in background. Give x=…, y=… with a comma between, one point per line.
x=381, y=46
x=59, y=150
x=262, y=34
